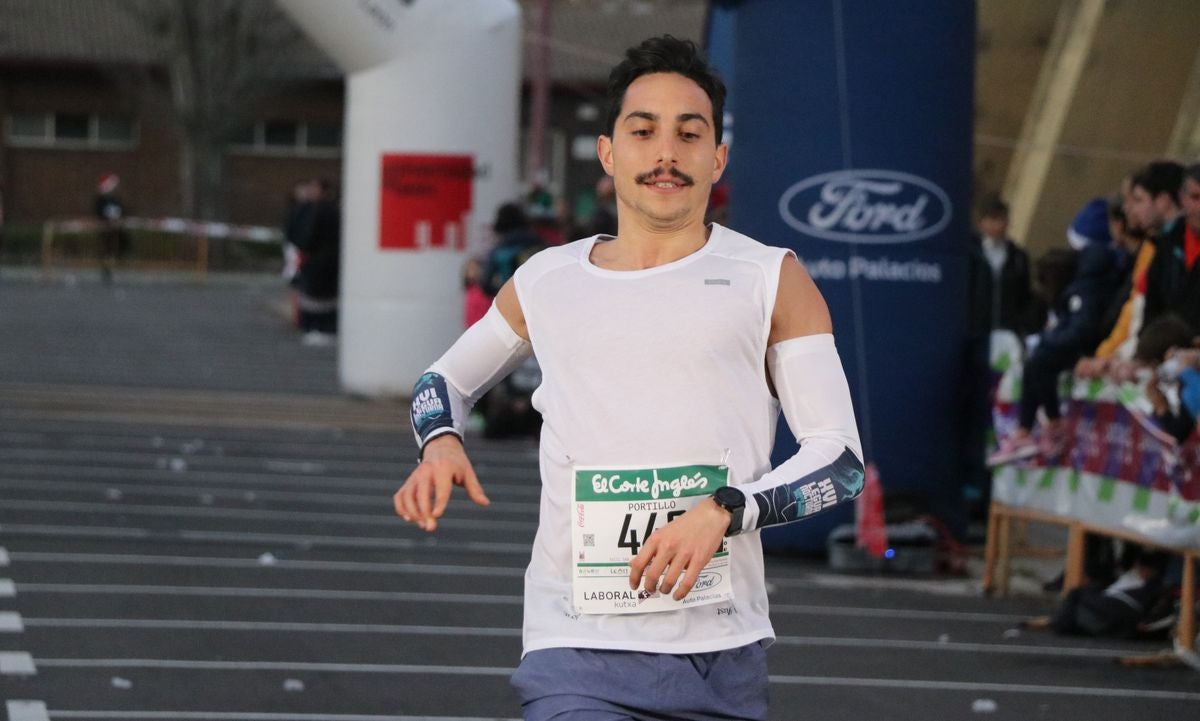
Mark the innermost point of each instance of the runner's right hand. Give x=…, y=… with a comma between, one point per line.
x=423, y=497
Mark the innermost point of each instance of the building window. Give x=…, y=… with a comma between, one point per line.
x=71, y=131
x=323, y=135
x=281, y=134
x=288, y=137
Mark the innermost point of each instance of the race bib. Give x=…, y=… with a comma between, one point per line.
x=615, y=511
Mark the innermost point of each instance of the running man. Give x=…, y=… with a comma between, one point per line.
x=667, y=352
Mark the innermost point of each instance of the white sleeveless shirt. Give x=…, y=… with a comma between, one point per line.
x=649, y=368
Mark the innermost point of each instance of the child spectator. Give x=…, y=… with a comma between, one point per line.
x=1164, y=346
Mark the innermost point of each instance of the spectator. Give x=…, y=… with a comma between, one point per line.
x=110, y=212
x=1154, y=209
x=604, y=214
x=1124, y=317
x=546, y=216
x=516, y=241
x=300, y=204
x=1079, y=285
x=1114, y=610
x=1164, y=346
x=475, y=300
x=1000, y=298
x=1188, y=364
x=318, y=237
x=297, y=217
x=1000, y=288
x=1174, y=276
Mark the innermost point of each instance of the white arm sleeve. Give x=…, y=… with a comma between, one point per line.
x=828, y=468
x=487, y=352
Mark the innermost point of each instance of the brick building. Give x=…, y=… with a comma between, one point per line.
x=84, y=90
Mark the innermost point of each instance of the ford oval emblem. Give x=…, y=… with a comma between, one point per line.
x=706, y=580
x=866, y=206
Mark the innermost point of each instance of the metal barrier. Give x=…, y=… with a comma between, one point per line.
x=1117, y=474
x=199, y=232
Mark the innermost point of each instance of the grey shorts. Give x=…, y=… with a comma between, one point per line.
x=572, y=684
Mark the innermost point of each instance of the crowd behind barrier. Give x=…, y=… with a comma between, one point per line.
x=1116, y=468
x=1095, y=411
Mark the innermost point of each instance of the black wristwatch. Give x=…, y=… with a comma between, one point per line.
x=734, y=501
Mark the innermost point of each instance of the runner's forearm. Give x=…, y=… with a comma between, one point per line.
x=445, y=394
x=827, y=470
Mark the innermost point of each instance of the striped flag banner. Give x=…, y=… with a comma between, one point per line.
x=1116, y=470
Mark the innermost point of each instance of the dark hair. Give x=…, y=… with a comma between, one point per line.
x=1169, y=331
x=1192, y=172
x=1054, y=272
x=510, y=217
x=1116, y=209
x=1161, y=176
x=994, y=207
x=665, y=54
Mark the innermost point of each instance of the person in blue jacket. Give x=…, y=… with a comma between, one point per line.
x=1079, y=283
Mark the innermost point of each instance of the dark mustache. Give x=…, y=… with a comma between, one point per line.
x=673, y=172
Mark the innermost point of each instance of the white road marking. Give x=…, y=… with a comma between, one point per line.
x=4, y=557
x=27, y=711
x=211, y=562
x=432, y=543
x=7, y=589
x=1123, y=693
x=977, y=687
x=10, y=622
x=952, y=646
x=487, y=631
x=16, y=663
x=947, y=587
x=249, y=716
x=383, y=484
x=915, y=614
x=378, y=499
x=354, y=519
x=383, y=668
x=290, y=627
x=237, y=591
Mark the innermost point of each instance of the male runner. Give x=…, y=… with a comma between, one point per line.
x=667, y=352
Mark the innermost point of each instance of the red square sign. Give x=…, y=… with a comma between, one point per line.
x=424, y=201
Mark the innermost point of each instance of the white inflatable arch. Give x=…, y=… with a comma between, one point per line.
x=432, y=92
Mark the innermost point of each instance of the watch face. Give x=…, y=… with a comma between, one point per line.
x=729, y=498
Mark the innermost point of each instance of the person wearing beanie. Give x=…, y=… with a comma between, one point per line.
x=1079, y=285
x=1090, y=226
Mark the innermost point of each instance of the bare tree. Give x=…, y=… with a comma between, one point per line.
x=221, y=58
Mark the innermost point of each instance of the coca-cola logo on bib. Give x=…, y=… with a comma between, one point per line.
x=866, y=206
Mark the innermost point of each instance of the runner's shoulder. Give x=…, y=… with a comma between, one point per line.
x=550, y=259
x=732, y=244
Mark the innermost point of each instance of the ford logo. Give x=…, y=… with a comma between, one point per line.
x=706, y=580
x=866, y=206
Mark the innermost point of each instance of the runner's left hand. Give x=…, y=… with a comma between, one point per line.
x=682, y=548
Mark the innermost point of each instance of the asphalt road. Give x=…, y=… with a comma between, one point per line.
x=183, y=543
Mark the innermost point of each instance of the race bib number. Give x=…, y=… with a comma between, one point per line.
x=615, y=511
